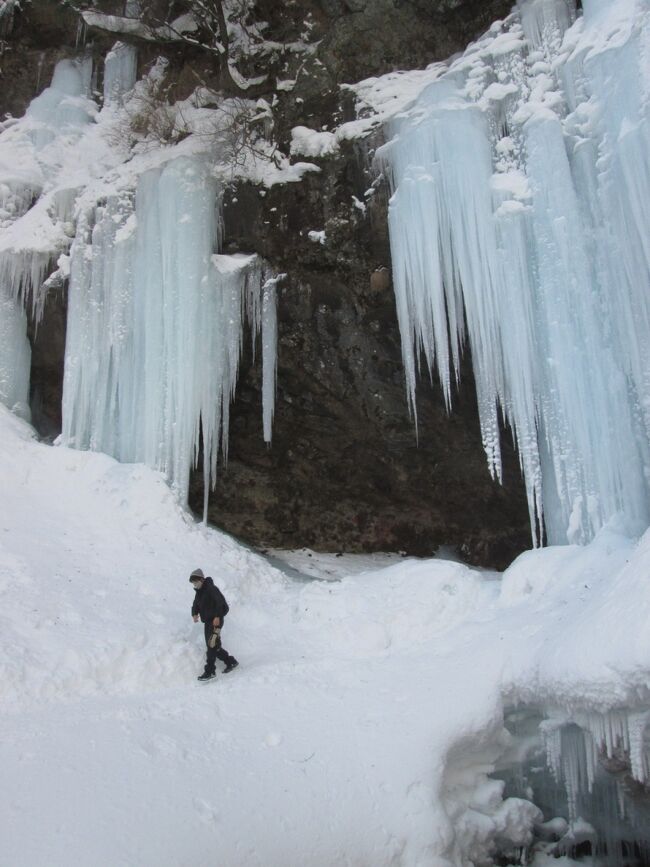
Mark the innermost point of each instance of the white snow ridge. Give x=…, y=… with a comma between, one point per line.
x=387, y=711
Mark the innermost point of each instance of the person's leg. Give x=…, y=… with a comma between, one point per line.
x=230, y=661
x=223, y=655
x=211, y=652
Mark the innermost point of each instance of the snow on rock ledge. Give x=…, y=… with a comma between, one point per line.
x=312, y=143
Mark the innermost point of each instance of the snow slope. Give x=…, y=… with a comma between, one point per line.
x=362, y=721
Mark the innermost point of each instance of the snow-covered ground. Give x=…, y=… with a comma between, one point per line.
x=334, y=566
x=360, y=726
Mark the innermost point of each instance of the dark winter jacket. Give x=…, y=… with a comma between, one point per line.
x=209, y=602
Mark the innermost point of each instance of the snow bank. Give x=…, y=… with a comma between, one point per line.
x=365, y=717
x=97, y=639
x=87, y=593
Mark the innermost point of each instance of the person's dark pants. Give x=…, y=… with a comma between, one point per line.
x=214, y=653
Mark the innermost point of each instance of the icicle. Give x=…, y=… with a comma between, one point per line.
x=63, y=103
x=544, y=21
x=620, y=734
x=155, y=326
x=576, y=742
x=639, y=748
x=7, y=10
x=269, y=354
x=120, y=69
x=15, y=355
x=35, y=213
x=550, y=731
x=80, y=36
x=521, y=204
x=16, y=197
x=35, y=234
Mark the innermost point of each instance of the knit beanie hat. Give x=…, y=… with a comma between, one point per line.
x=198, y=573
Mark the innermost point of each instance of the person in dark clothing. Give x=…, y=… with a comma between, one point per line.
x=211, y=607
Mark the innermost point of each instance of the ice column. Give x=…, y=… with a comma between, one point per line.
x=62, y=107
x=15, y=355
x=155, y=325
x=7, y=10
x=33, y=213
x=519, y=223
x=36, y=205
x=269, y=354
x=120, y=70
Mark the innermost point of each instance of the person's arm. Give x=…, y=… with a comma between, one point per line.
x=195, y=608
x=216, y=607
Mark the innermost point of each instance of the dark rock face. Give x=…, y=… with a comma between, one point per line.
x=345, y=470
x=38, y=36
x=360, y=38
x=369, y=37
x=47, y=340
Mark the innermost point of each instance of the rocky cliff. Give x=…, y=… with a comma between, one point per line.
x=347, y=469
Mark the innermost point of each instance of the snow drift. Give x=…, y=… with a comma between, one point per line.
x=366, y=716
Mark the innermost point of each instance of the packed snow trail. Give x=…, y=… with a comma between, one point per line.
x=359, y=726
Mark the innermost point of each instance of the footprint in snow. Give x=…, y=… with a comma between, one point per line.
x=206, y=811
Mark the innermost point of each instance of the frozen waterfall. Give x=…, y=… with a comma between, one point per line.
x=155, y=325
x=519, y=223
x=120, y=71
x=15, y=355
x=155, y=316
x=34, y=213
x=35, y=209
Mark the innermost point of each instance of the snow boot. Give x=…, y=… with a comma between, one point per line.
x=207, y=675
x=230, y=665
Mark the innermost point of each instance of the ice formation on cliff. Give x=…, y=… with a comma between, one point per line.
x=35, y=211
x=33, y=234
x=617, y=734
x=155, y=316
x=15, y=355
x=120, y=70
x=519, y=223
x=155, y=325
